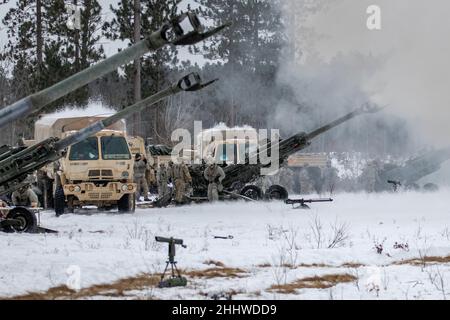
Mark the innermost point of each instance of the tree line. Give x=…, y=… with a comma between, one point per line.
x=41, y=50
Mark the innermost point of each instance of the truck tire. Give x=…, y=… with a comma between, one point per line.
x=276, y=192
x=252, y=192
x=59, y=201
x=127, y=204
x=28, y=221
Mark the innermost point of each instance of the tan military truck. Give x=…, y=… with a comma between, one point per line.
x=97, y=171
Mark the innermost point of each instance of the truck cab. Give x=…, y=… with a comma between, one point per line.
x=98, y=171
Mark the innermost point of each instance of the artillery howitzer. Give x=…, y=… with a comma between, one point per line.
x=413, y=170
x=239, y=176
x=17, y=163
x=302, y=202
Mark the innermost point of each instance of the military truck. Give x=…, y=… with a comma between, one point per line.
x=97, y=171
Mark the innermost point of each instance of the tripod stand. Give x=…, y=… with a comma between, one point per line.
x=175, y=280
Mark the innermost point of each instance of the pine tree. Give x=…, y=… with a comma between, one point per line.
x=42, y=48
x=255, y=37
x=155, y=66
x=246, y=57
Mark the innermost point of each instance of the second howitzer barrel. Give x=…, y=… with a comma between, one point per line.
x=246, y=173
x=183, y=30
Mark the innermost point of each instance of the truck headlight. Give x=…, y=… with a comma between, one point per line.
x=77, y=189
x=124, y=187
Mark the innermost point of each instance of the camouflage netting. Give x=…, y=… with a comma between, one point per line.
x=159, y=150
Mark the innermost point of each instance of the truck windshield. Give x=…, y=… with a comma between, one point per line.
x=115, y=148
x=84, y=150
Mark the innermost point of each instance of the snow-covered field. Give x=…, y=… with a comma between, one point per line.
x=272, y=245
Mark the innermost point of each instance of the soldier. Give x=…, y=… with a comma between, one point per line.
x=140, y=167
x=25, y=197
x=150, y=176
x=214, y=175
x=306, y=184
x=162, y=179
x=181, y=177
x=170, y=172
x=329, y=178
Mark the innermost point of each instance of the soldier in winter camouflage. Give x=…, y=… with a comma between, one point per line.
x=150, y=176
x=25, y=197
x=170, y=172
x=214, y=175
x=140, y=167
x=181, y=177
x=162, y=180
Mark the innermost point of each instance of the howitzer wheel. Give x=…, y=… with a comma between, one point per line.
x=276, y=192
x=26, y=219
x=252, y=192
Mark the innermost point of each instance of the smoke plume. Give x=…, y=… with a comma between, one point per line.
x=405, y=65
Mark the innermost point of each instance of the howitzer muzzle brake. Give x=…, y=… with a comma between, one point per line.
x=187, y=29
x=193, y=82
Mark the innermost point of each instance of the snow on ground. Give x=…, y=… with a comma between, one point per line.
x=273, y=244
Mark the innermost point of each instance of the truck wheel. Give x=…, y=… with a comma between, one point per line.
x=127, y=203
x=59, y=201
x=27, y=219
x=276, y=192
x=252, y=192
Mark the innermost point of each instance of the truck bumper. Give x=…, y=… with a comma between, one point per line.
x=89, y=193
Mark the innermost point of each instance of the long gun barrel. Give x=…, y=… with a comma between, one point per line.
x=248, y=172
x=292, y=201
x=301, y=140
x=302, y=202
x=183, y=30
x=15, y=167
x=417, y=168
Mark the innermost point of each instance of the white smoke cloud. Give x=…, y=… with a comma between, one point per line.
x=413, y=48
